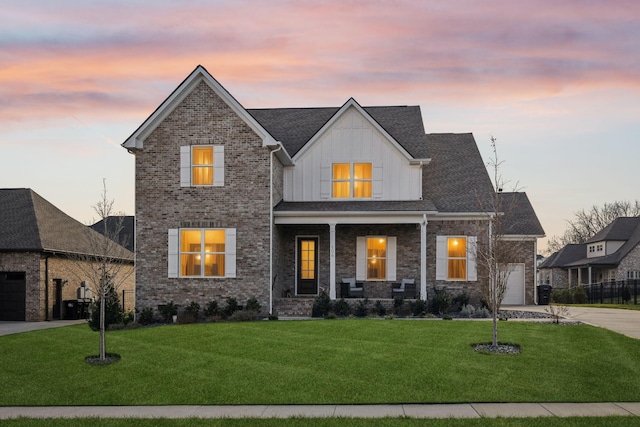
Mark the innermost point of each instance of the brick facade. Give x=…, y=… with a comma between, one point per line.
x=242, y=203
x=41, y=270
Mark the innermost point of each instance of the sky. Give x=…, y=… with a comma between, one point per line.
x=557, y=83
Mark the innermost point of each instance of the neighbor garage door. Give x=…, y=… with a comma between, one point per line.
x=12, y=296
x=515, y=286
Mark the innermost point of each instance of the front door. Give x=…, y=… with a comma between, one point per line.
x=307, y=266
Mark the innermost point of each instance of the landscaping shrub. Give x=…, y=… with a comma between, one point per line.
x=380, y=309
x=168, y=311
x=212, y=309
x=580, y=295
x=481, y=313
x=461, y=300
x=342, y=308
x=231, y=307
x=467, y=310
x=253, y=305
x=112, y=309
x=576, y=295
x=362, y=308
x=419, y=308
x=244, y=316
x=397, y=305
x=321, y=305
x=146, y=316
x=191, y=313
x=440, y=302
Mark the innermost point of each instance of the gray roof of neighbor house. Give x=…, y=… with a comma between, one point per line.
x=294, y=127
x=625, y=229
x=125, y=236
x=30, y=223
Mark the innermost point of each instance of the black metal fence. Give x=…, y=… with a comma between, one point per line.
x=622, y=292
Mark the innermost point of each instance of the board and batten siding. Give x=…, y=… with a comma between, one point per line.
x=352, y=139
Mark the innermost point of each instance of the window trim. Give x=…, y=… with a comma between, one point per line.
x=442, y=258
x=174, y=253
x=186, y=166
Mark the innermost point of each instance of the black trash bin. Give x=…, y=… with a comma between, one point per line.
x=544, y=294
x=70, y=309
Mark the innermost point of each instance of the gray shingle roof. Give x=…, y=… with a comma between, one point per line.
x=619, y=229
x=127, y=233
x=456, y=180
x=294, y=127
x=519, y=216
x=30, y=223
x=565, y=256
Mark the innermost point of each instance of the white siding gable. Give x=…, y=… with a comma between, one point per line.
x=352, y=138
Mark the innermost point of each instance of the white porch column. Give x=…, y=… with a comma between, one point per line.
x=423, y=258
x=332, y=261
x=590, y=281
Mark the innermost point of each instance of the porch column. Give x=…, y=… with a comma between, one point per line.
x=423, y=258
x=579, y=276
x=332, y=260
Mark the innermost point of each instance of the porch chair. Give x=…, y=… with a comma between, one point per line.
x=404, y=289
x=350, y=289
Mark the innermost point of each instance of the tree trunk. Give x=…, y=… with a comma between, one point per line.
x=103, y=355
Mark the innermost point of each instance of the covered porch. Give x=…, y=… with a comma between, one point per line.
x=376, y=244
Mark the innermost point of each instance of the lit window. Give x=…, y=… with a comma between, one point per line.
x=457, y=258
x=376, y=258
x=343, y=180
x=202, y=252
x=202, y=165
x=308, y=259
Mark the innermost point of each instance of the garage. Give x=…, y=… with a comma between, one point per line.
x=514, y=294
x=12, y=296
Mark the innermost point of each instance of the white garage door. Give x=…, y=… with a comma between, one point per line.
x=515, y=286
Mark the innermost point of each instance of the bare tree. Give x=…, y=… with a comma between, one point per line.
x=105, y=265
x=587, y=223
x=494, y=254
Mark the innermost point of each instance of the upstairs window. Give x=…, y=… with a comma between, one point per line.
x=351, y=180
x=202, y=166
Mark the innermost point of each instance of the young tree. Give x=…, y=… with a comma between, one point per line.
x=494, y=254
x=587, y=223
x=107, y=265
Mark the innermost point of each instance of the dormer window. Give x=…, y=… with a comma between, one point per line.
x=351, y=181
x=595, y=248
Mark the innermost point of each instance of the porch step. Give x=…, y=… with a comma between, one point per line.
x=293, y=307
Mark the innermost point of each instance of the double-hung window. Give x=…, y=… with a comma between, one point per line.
x=376, y=257
x=351, y=180
x=455, y=258
x=202, y=166
x=202, y=252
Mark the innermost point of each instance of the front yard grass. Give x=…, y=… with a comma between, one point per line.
x=316, y=362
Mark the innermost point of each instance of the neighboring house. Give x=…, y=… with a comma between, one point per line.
x=612, y=254
x=272, y=203
x=122, y=228
x=39, y=265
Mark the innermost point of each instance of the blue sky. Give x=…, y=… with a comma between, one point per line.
x=556, y=82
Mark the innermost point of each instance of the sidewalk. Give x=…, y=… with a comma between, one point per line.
x=456, y=410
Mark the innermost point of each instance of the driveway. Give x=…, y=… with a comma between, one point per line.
x=8, y=328
x=626, y=322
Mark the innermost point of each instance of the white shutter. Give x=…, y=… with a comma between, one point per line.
x=173, y=255
x=391, y=257
x=377, y=182
x=441, y=258
x=230, y=252
x=325, y=181
x=185, y=166
x=472, y=273
x=361, y=258
x=218, y=165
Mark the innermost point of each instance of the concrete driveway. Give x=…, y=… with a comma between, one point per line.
x=8, y=328
x=626, y=322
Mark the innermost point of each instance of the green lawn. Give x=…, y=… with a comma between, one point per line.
x=339, y=361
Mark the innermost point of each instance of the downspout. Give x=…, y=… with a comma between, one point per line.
x=271, y=227
x=46, y=288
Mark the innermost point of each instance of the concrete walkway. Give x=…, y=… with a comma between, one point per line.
x=8, y=328
x=626, y=322
x=462, y=410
